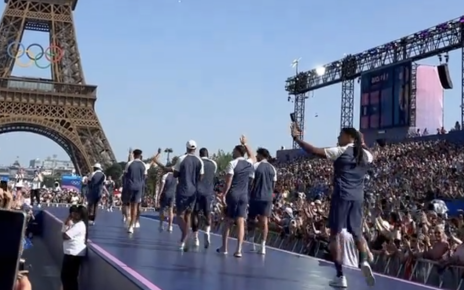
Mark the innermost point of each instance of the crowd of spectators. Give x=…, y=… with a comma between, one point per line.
x=408, y=225
x=411, y=232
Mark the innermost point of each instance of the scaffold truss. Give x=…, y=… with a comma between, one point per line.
x=439, y=39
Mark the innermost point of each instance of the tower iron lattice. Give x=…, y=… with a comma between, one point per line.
x=62, y=108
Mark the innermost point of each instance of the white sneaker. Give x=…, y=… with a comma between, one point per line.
x=137, y=225
x=130, y=230
x=262, y=249
x=170, y=229
x=368, y=275
x=183, y=247
x=221, y=251
x=196, y=242
x=339, y=282
x=207, y=240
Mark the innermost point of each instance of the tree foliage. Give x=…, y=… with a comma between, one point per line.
x=222, y=159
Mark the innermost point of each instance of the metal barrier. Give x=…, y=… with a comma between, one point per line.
x=416, y=270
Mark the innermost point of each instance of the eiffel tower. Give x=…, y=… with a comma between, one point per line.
x=61, y=108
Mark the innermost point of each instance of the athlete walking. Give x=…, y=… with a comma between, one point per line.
x=125, y=194
x=205, y=196
x=235, y=197
x=350, y=162
x=136, y=173
x=96, y=185
x=262, y=189
x=189, y=170
x=167, y=193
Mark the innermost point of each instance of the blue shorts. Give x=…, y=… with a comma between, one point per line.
x=346, y=214
x=125, y=197
x=236, y=206
x=166, y=201
x=203, y=204
x=93, y=198
x=135, y=196
x=259, y=208
x=185, y=203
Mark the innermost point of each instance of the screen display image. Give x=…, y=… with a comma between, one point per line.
x=385, y=98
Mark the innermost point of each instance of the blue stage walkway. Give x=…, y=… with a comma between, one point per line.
x=155, y=257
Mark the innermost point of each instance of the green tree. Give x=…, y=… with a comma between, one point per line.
x=115, y=170
x=222, y=159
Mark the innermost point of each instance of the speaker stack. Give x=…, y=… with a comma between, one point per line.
x=445, y=79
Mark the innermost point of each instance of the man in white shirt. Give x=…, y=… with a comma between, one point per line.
x=74, y=246
x=35, y=187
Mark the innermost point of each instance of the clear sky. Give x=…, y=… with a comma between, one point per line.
x=168, y=71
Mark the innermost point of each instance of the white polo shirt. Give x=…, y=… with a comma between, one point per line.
x=75, y=246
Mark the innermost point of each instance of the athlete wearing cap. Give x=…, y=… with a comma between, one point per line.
x=96, y=184
x=189, y=170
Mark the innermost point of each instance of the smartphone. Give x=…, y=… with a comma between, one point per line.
x=292, y=117
x=4, y=185
x=13, y=223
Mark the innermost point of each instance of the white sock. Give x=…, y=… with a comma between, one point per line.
x=208, y=229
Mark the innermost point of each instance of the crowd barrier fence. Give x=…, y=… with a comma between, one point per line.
x=416, y=270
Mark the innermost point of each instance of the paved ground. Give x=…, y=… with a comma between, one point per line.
x=44, y=273
x=156, y=257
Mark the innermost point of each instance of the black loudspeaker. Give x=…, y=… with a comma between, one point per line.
x=381, y=142
x=445, y=79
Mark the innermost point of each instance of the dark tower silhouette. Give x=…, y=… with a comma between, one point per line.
x=61, y=108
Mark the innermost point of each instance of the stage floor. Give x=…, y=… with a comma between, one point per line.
x=156, y=257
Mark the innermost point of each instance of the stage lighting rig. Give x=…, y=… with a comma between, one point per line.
x=442, y=38
x=436, y=40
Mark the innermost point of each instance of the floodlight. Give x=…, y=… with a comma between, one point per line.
x=320, y=71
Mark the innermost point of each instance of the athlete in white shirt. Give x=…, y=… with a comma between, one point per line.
x=74, y=246
x=35, y=187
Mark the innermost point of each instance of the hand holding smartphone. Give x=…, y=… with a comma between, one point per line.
x=13, y=223
x=292, y=117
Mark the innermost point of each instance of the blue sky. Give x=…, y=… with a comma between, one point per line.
x=170, y=71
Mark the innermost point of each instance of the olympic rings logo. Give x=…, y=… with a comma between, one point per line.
x=52, y=54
